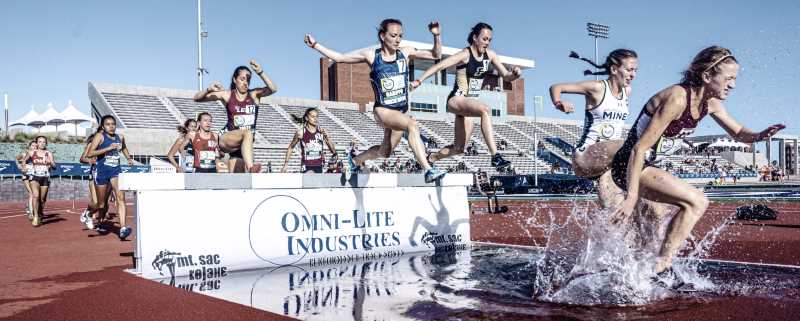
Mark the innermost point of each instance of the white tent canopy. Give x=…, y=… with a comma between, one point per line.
x=72, y=115
x=51, y=116
x=32, y=118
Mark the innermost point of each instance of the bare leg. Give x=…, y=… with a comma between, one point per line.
x=122, y=209
x=469, y=107
x=398, y=122
x=241, y=140
x=390, y=140
x=463, y=131
x=596, y=159
x=660, y=186
x=35, y=190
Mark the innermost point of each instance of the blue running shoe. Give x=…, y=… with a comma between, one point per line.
x=499, y=163
x=351, y=163
x=124, y=232
x=433, y=174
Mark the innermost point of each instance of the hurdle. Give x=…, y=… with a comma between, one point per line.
x=207, y=225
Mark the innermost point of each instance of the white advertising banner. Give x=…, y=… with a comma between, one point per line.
x=209, y=233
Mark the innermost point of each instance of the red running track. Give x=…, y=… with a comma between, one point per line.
x=60, y=271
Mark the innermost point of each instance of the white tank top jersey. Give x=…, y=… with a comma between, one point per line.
x=606, y=121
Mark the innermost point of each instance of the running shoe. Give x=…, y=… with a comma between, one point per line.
x=434, y=174
x=124, y=232
x=90, y=223
x=84, y=216
x=29, y=213
x=499, y=163
x=36, y=221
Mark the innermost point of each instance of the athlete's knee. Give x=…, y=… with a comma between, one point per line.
x=485, y=110
x=698, y=203
x=413, y=126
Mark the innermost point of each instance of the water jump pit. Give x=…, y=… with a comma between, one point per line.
x=390, y=247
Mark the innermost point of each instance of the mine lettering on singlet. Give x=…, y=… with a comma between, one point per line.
x=393, y=89
x=207, y=158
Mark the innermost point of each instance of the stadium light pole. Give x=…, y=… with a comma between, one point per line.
x=5, y=103
x=537, y=103
x=200, y=35
x=596, y=31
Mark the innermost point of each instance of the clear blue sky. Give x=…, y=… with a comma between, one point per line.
x=52, y=49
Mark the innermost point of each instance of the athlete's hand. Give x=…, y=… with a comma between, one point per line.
x=413, y=85
x=565, y=106
x=323, y=131
x=256, y=67
x=516, y=72
x=310, y=41
x=114, y=146
x=623, y=213
x=215, y=86
x=433, y=27
x=179, y=169
x=770, y=131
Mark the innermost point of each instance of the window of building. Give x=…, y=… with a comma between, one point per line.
x=495, y=112
x=423, y=107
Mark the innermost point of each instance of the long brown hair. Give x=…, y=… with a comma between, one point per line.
x=707, y=60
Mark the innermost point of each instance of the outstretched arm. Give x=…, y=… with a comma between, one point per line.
x=215, y=91
x=433, y=53
x=270, y=86
x=124, y=150
x=507, y=75
x=335, y=55
x=328, y=141
x=736, y=130
x=589, y=88
x=444, y=64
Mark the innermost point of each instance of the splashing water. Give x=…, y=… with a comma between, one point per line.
x=589, y=261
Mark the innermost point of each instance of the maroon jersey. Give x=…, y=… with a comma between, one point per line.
x=311, y=153
x=39, y=162
x=241, y=114
x=205, y=151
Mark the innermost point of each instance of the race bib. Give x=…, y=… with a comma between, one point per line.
x=241, y=121
x=112, y=160
x=29, y=169
x=41, y=170
x=475, y=85
x=207, y=159
x=393, y=89
x=668, y=146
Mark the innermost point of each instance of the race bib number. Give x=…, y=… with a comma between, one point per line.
x=241, y=121
x=112, y=160
x=475, y=85
x=207, y=159
x=313, y=150
x=393, y=89
x=41, y=170
x=668, y=146
x=29, y=170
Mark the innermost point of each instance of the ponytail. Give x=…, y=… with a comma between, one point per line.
x=614, y=59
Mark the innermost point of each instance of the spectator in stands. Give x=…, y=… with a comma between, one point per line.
x=26, y=168
x=607, y=108
x=241, y=105
x=42, y=161
x=668, y=116
x=107, y=145
x=472, y=64
x=389, y=77
x=312, y=139
x=186, y=155
x=269, y=166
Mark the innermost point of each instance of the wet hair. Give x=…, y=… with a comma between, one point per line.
x=304, y=118
x=707, y=60
x=614, y=58
x=384, y=27
x=476, y=30
x=103, y=120
x=185, y=128
x=236, y=73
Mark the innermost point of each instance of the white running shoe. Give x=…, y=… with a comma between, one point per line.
x=84, y=216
